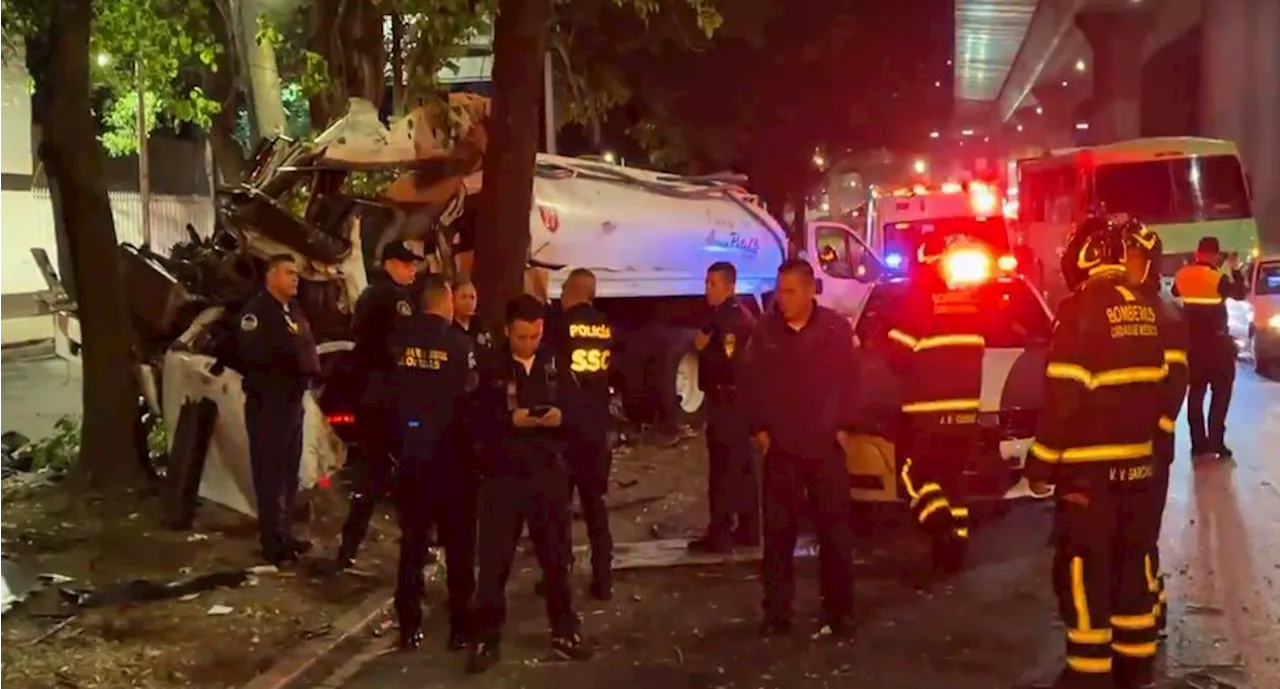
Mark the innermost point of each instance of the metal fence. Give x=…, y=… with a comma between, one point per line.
x=169, y=217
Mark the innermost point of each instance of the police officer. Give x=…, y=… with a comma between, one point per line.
x=732, y=489
x=518, y=407
x=433, y=367
x=938, y=352
x=1105, y=395
x=801, y=404
x=278, y=352
x=581, y=336
x=383, y=306
x=1203, y=288
x=1145, y=251
x=465, y=303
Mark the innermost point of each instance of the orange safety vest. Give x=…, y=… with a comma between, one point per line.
x=1199, y=286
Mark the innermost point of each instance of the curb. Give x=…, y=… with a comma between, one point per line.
x=297, y=662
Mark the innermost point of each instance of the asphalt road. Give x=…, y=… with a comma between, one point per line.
x=992, y=626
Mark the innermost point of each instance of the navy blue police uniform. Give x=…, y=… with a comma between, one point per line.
x=382, y=308
x=278, y=352
x=1211, y=355
x=802, y=391
x=433, y=369
x=733, y=488
x=582, y=338
x=525, y=484
x=1095, y=441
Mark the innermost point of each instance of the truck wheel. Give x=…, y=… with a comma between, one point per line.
x=660, y=377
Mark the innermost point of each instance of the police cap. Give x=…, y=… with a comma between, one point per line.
x=399, y=252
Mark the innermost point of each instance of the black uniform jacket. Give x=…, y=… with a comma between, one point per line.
x=276, y=347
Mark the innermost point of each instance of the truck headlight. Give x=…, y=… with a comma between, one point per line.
x=1274, y=322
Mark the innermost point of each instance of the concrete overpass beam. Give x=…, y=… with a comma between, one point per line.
x=1117, y=38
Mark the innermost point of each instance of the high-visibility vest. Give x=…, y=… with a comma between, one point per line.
x=1199, y=286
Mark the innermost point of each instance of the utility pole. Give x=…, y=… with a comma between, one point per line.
x=549, y=103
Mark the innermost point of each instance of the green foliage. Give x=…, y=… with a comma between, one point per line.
x=57, y=451
x=148, y=44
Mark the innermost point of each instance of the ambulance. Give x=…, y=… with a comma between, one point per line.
x=908, y=216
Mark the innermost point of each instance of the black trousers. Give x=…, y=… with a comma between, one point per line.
x=590, y=462
x=507, y=504
x=1155, y=575
x=931, y=458
x=794, y=485
x=371, y=477
x=1212, y=369
x=430, y=495
x=733, y=488
x=274, y=424
x=1105, y=533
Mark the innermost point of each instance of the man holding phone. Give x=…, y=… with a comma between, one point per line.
x=525, y=482
x=1204, y=288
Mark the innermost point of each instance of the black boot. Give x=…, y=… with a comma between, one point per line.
x=484, y=655
x=570, y=647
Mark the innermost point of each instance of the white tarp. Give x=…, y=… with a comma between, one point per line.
x=16, y=584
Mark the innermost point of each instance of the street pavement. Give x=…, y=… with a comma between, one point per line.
x=989, y=627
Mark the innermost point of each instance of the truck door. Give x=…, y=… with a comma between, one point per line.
x=844, y=266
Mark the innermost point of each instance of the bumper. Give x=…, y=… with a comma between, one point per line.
x=990, y=469
x=1266, y=344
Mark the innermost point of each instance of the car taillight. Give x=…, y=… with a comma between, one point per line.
x=341, y=419
x=1007, y=263
x=966, y=267
x=983, y=200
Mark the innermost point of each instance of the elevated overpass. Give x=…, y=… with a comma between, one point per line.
x=1076, y=72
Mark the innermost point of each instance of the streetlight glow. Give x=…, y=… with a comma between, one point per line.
x=934, y=134
x=920, y=166
x=103, y=59
x=610, y=157
x=1039, y=110
x=1080, y=66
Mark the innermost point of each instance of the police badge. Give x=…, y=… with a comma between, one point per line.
x=249, y=322
x=730, y=344
x=403, y=308
x=482, y=339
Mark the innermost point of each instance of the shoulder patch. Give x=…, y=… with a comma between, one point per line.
x=403, y=308
x=471, y=360
x=248, y=322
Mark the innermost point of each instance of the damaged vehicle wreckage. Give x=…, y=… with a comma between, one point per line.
x=335, y=202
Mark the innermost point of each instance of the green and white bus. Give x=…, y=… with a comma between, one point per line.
x=1184, y=188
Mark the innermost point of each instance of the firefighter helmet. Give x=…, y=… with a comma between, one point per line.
x=1141, y=240
x=1094, y=246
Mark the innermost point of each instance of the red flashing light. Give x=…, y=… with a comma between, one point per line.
x=324, y=482
x=962, y=267
x=341, y=419
x=983, y=200
x=1007, y=263
x=951, y=188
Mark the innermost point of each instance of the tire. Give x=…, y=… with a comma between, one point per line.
x=1263, y=367
x=658, y=377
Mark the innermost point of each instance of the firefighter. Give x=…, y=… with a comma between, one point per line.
x=801, y=404
x=582, y=337
x=1203, y=288
x=433, y=367
x=1145, y=252
x=733, y=492
x=1105, y=395
x=518, y=408
x=383, y=306
x=278, y=351
x=938, y=352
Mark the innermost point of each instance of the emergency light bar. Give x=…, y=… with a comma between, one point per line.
x=969, y=265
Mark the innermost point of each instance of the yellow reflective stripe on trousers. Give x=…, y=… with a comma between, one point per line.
x=960, y=512
x=1202, y=301
x=1153, y=581
x=1166, y=424
x=1175, y=356
x=1132, y=622
x=1107, y=453
x=941, y=406
x=1143, y=650
x=938, y=503
x=1096, y=637
x=1119, y=376
x=1089, y=666
x=1079, y=597
x=960, y=532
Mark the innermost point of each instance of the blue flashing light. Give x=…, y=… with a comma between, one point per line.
x=893, y=260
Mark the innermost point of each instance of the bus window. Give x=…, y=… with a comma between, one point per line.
x=1181, y=190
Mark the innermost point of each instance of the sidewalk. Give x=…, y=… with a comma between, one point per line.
x=36, y=393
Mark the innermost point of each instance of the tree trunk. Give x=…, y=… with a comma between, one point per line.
x=398, y=104
x=262, y=75
x=73, y=157
x=502, y=227
x=220, y=85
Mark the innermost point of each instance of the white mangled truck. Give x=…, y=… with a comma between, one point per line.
x=648, y=237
